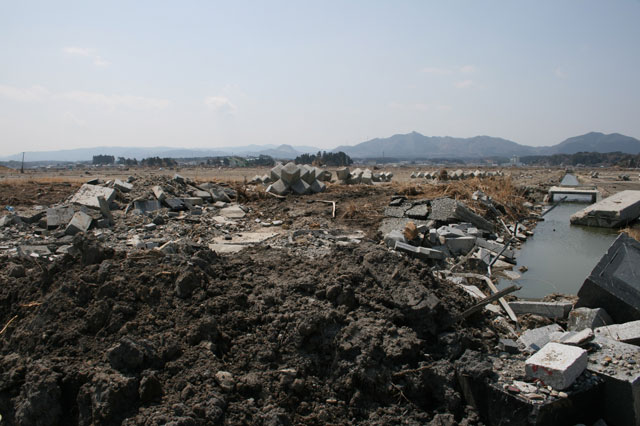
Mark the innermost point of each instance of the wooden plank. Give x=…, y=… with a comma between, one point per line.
x=494, y=289
x=475, y=308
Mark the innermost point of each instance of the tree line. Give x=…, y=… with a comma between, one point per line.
x=592, y=159
x=334, y=159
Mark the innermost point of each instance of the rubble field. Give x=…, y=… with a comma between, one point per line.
x=166, y=299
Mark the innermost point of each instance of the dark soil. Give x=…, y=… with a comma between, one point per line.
x=361, y=336
x=33, y=193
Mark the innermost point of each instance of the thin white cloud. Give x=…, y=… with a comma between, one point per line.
x=220, y=104
x=444, y=108
x=560, y=73
x=436, y=70
x=40, y=94
x=468, y=69
x=113, y=101
x=87, y=53
x=464, y=84
x=31, y=94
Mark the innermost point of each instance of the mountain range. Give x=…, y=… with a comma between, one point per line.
x=401, y=146
x=86, y=154
x=416, y=146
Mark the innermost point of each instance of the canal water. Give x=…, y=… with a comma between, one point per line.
x=569, y=180
x=559, y=256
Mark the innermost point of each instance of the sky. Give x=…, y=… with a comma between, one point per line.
x=207, y=74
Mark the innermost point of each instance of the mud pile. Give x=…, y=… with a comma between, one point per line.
x=102, y=337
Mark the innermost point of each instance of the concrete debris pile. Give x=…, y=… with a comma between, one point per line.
x=296, y=179
x=456, y=175
x=146, y=213
x=582, y=368
x=443, y=228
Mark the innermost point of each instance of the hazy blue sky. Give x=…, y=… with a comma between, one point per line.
x=323, y=73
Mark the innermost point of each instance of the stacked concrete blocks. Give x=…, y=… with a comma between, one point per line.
x=299, y=179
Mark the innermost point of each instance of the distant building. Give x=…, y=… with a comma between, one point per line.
x=515, y=161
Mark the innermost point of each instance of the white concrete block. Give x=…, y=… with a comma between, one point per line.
x=557, y=365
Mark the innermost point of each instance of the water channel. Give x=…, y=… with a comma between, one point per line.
x=559, y=256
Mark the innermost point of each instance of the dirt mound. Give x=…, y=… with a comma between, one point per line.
x=360, y=336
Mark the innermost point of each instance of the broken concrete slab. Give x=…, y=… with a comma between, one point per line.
x=621, y=396
x=495, y=247
x=555, y=310
x=394, y=236
x=146, y=206
x=239, y=242
x=461, y=245
x=192, y=201
x=58, y=216
x=613, y=284
x=450, y=210
x=205, y=195
x=179, y=179
x=389, y=224
x=420, y=211
x=122, y=186
x=87, y=195
x=450, y=232
x=557, y=365
x=233, y=212
x=612, y=212
x=106, y=212
x=533, y=340
x=396, y=211
x=159, y=193
x=80, y=222
x=423, y=253
x=574, y=338
x=581, y=318
x=175, y=204
x=219, y=194
x=33, y=251
x=628, y=332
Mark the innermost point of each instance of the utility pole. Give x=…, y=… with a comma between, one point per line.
x=22, y=167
